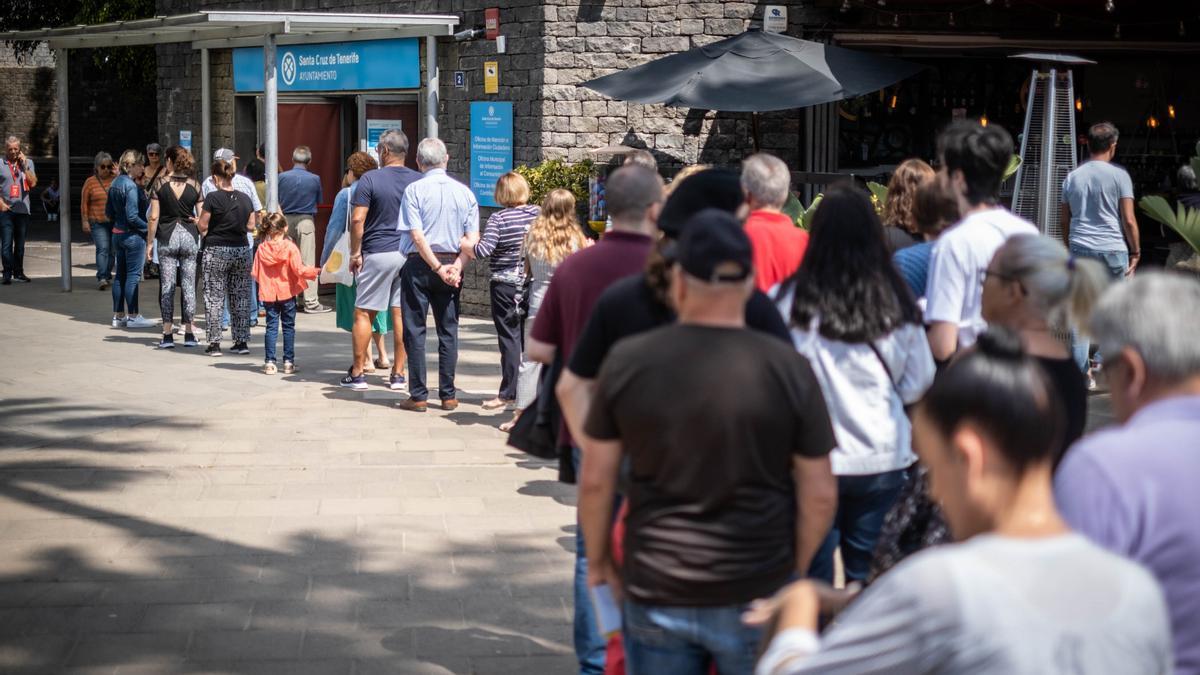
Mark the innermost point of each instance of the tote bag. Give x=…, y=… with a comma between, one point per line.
x=337, y=269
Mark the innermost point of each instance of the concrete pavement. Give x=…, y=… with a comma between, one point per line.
x=162, y=511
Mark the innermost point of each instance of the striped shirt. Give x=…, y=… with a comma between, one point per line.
x=93, y=199
x=503, y=241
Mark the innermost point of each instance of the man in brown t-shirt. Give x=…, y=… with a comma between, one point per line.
x=729, y=486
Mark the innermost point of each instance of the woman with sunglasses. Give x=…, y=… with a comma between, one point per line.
x=1034, y=287
x=92, y=200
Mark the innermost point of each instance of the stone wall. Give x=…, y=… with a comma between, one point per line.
x=552, y=46
x=29, y=107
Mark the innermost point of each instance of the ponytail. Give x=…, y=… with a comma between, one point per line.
x=1061, y=287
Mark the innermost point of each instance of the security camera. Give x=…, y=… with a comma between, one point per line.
x=469, y=34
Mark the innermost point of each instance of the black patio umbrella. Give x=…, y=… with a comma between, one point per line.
x=755, y=72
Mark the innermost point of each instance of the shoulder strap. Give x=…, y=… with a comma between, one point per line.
x=886, y=368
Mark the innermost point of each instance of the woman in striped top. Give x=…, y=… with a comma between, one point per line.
x=503, y=244
x=93, y=199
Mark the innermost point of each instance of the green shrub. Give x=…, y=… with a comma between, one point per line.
x=555, y=173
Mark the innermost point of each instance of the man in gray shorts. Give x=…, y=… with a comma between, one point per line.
x=375, y=256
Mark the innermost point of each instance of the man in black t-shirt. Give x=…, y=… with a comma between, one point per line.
x=729, y=485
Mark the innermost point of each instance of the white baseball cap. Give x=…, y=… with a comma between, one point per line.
x=224, y=154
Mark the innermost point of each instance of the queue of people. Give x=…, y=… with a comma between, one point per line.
x=743, y=402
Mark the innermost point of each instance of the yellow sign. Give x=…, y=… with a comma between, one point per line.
x=491, y=77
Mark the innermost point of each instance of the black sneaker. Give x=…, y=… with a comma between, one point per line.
x=6, y=282
x=189, y=340
x=21, y=278
x=352, y=381
x=167, y=342
x=240, y=348
x=214, y=349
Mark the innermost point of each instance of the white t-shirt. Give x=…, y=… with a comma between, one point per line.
x=865, y=397
x=990, y=606
x=953, y=292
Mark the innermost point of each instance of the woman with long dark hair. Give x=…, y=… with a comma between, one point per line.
x=853, y=317
x=173, y=209
x=1021, y=592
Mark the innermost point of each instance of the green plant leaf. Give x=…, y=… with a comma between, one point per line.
x=806, y=219
x=879, y=195
x=1183, y=220
x=1014, y=163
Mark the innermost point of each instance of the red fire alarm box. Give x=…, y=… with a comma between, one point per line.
x=491, y=22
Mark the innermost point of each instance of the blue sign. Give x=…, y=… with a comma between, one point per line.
x=491, y=147
x=333, y=66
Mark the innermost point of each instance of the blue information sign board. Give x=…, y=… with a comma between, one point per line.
x=491, y=147
x=333, y=66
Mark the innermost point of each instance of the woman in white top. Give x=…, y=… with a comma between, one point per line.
x=853, y=316
x=1021, y=593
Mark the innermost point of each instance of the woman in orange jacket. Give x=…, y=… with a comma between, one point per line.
x=281, y=277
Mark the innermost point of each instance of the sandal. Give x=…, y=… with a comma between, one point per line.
x=508, y=426
x=383, y=365
x=368, y=369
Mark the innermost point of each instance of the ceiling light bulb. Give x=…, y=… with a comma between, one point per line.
x=845, y=6
x=1110, y=6
x=951, y=19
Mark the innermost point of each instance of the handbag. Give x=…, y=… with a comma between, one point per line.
x=336, y=270
x=536, y=430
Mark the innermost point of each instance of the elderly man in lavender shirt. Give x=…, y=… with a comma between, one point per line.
x=1133, y=489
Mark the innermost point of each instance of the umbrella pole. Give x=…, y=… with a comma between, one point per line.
x=754, y=129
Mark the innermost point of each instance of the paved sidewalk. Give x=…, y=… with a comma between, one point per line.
x=166, y=512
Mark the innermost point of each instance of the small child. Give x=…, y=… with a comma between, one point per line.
x=281, y=277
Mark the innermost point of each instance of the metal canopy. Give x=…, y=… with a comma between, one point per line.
x=220, y=29
x=224, y=30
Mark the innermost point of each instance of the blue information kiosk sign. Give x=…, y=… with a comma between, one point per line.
x=491, y=147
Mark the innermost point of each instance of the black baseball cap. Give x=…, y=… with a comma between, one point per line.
x=713, y=241
x=708, y=189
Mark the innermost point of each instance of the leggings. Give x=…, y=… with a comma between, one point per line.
x=178, y=254
x=227, y=279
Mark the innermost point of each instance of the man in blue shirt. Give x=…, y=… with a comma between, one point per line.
x=1097, y=217
x=441, y=217
x=299, y=194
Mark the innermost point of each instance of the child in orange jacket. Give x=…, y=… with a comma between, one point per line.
x=281, y=277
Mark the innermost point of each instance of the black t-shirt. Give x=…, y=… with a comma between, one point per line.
x=628, y=307
x=230, y=211
x=710, y=420
x=1071, y=386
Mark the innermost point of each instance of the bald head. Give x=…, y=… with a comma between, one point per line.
x=634, y=195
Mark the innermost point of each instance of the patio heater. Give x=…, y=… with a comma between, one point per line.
x=1048, y=148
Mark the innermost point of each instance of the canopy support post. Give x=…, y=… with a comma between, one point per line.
x=431, y=87
x=64, y=169
x=205, y=113
x=271, y=122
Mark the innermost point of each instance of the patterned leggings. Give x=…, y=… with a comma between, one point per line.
x=178, y=254
x=227, y=278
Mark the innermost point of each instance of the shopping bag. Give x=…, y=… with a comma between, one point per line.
x=337, y=268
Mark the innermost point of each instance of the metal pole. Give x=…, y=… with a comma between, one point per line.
x=271, y=123
x=64, y=169
x=431, y=87
x=1046, y=201
x=205, y=112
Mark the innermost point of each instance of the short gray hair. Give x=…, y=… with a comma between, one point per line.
x=1157, y=314
x=302, y=154
x=1187, y=177
x=395, y=141
x=102, y=157
x=643, y=158
x=431, y=152
x=767, y=179
x=11, y=139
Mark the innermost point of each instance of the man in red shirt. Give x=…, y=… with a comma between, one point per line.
x=634, y=195
x=778, y=244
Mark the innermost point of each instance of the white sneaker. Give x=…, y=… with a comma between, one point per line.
x=139, y=321
x=118, y=322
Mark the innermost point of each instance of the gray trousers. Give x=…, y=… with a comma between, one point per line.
x=302, y=229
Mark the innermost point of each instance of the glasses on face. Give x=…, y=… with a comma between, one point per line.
x=985, y=273
x=152, y=154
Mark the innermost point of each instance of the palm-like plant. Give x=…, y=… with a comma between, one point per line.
x=1183, y=220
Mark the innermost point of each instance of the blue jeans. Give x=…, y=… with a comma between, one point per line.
x=863, y=502
x=130, y=259
x=102, y=238
x=590, y=645
x=12, y=242
x=1116, y=262
x=686, y=640
x=283, y=311
x=422, y=289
